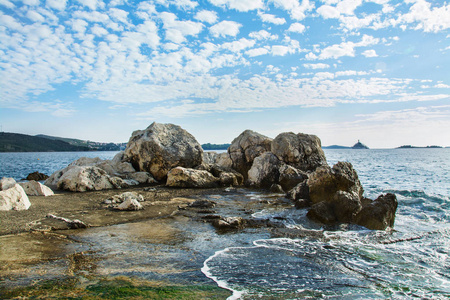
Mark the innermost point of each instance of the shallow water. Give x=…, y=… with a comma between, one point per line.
x=411, y=261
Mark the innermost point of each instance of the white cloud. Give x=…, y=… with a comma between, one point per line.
x=206, y=16
x=296, y=10
x=279, y=50
x=297, y=27
x=79, y=25
x=328, y=12
x=442, y=86
x=338, y=50
x=370, y=53
x=98, y=30
x=176, y=31
x=238, y=46
x=225, y=28
x=239, y=5
x=347, y=7
x=316, y=66
x=428, y=19
x=119, y=15
x=57, y=4
x=268, y=18
x=262, y=35
x=92, y=4
x=34, y=16
x=7, y=4
x=257, y=52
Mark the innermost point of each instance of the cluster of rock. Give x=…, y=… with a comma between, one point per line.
x=291, y=163
x=126, y=201
x=14, y=196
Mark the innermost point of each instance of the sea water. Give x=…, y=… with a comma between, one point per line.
x=351, y=262
x=19, y=165
x=343, y=262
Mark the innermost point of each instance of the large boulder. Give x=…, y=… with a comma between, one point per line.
x=302, y=151
x=84, y=178
x=191, y=178
x=265, y=170
x=325, y=182
x=34, y=188
x=291, y=177
x=378, y=214
x=245, y=148
x=14, y=198
x=162, y=147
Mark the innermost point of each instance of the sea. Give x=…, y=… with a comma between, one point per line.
x=410, y=261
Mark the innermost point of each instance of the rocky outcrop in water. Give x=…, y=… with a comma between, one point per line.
x=12, y=196
x=162, y=147
x=378, y=214
x=36, y=176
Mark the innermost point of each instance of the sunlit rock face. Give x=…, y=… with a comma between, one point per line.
x=162, y=147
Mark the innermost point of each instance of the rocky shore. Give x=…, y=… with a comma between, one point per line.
x=164, y=175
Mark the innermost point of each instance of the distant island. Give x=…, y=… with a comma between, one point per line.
x=414, y=147
x=15, y=142
x=358, y=145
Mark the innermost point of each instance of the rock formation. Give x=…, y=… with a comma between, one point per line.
x=34, y=188
x=84, y=178
x=12, y=196
x=245, y=148
x=191, y=178
x=301, y=151
x=162, y=147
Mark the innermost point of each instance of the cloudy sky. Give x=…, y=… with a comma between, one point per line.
x=374, y=70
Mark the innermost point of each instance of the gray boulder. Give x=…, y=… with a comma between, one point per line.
x=34, y=188
x=14, y=198
x=325, y=182
x=162, y=147
x=290, y=177
x=83, y=178
x=191, y=178
x=302, y=151
x=245, y=148
x=265, y=170
x=378, y=214
x=345, y=206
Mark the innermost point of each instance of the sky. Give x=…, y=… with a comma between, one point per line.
x=345, y=70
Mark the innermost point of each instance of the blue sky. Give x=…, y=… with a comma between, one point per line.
x=374, y=70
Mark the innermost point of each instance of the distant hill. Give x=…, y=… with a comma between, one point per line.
x=14, y=142
x=414, y=147
x=96, y=146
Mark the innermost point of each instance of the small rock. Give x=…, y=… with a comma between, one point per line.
x=36, y=176
x=130, y=205
x=276, y=189
x=228, y=223
x=203, y=204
